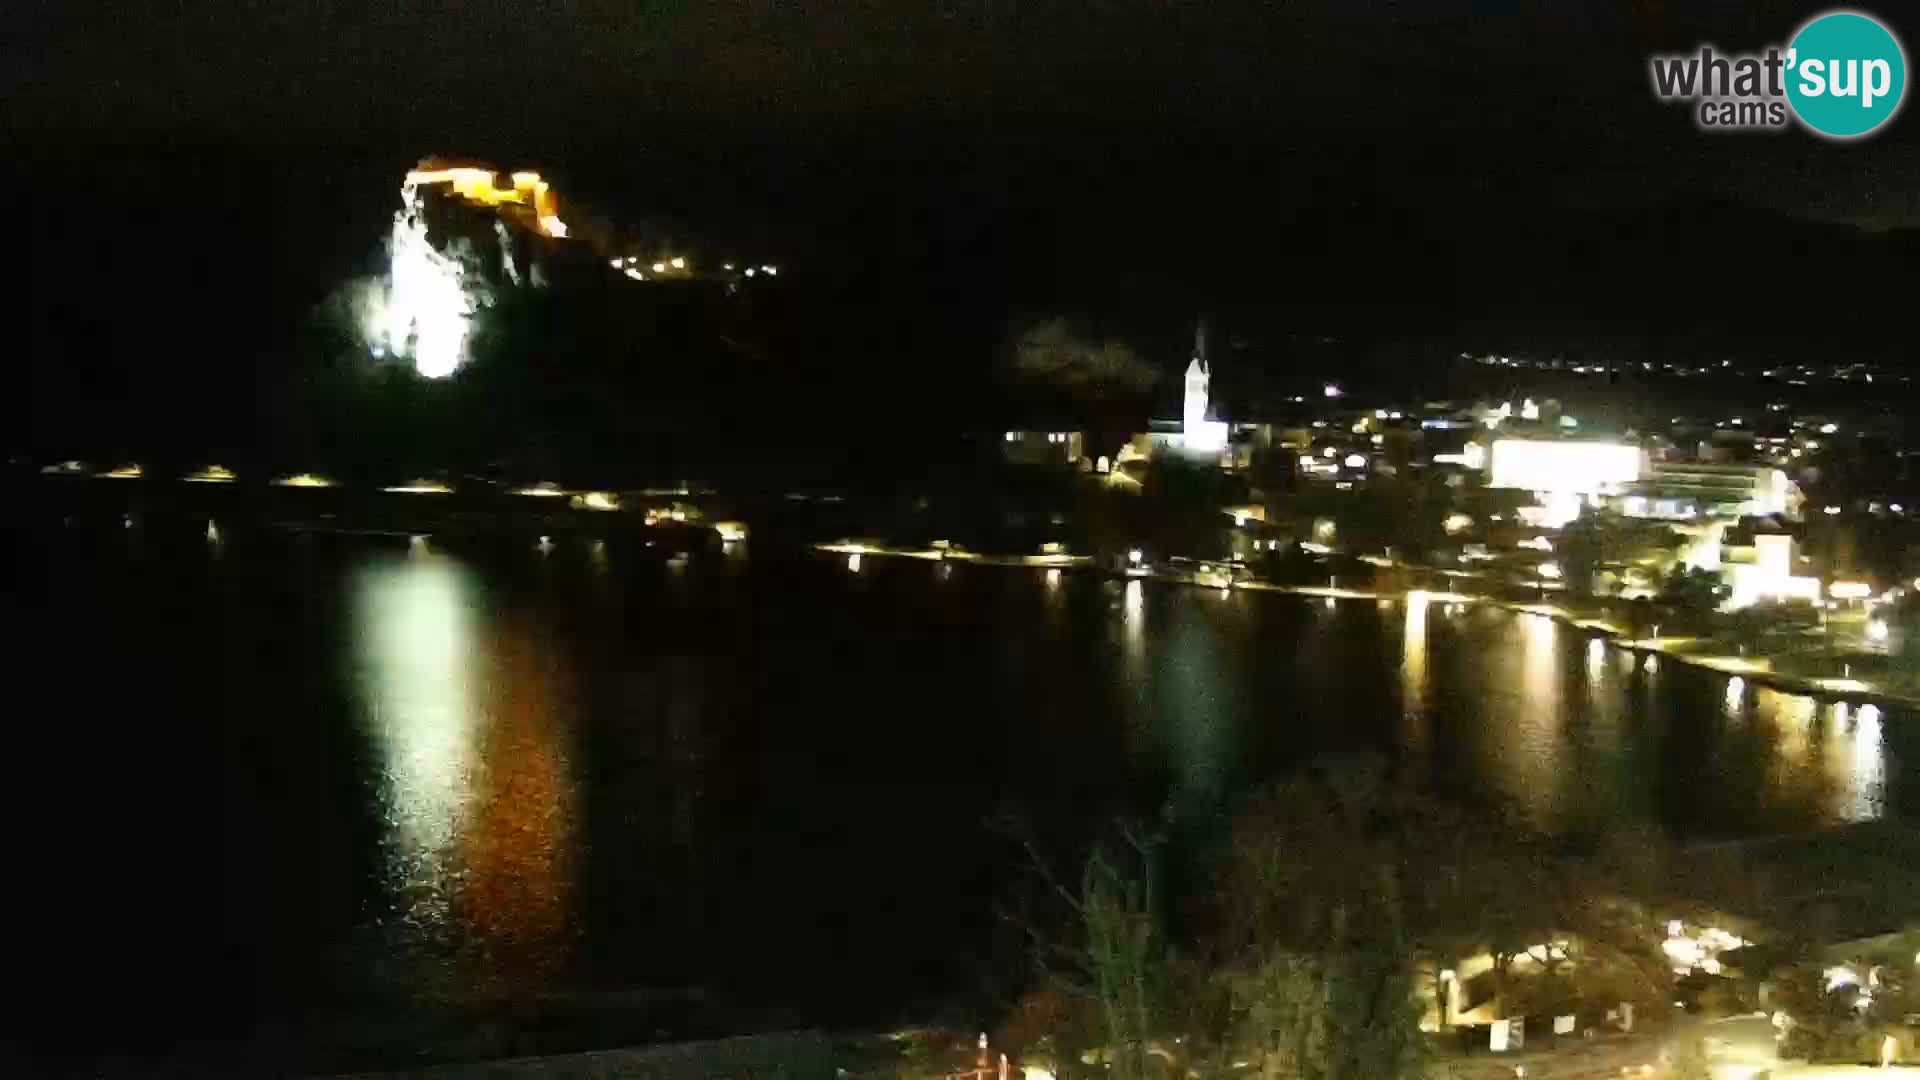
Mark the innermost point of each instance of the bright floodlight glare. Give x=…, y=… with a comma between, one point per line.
x=679, y=263
x=428, y=310
x=659, y=268
x=1330, y=390
x=1576, y=467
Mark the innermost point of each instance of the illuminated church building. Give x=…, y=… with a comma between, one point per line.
x=1196, y=435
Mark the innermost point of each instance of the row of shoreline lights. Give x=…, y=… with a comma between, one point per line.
x=220, y=474
x=630, y=265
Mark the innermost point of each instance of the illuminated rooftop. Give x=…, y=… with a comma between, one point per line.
x=482, y=187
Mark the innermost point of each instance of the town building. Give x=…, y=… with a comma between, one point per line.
x=1054, y=447
x=1685, y=489
x=1564, y=474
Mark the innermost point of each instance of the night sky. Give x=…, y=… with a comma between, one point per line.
x=1432, y=169
x=1416, y=100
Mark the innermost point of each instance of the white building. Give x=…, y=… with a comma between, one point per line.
x=1197, y=436
x=1766, y=572
x=1563, y=474
x=1680, y=490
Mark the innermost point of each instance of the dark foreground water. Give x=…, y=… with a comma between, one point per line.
x=271, y=776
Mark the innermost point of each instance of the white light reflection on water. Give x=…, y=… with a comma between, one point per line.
x=1133, y=605
x=1868, y=774
x=416, y=629
x=1831, y=760
x=462, y=708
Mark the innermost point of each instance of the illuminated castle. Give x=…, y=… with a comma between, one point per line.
x=432, y=294
x=480, y=187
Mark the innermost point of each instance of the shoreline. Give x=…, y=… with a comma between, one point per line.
x=1757, y=672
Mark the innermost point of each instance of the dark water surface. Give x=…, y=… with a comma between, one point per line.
x=274, y=773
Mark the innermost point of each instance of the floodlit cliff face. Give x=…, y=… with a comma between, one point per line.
x=432, y=294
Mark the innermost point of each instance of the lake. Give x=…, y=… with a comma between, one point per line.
x=265, y=776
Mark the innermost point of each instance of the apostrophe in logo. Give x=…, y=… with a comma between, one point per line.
x=1846, y=74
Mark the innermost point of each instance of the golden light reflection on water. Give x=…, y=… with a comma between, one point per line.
x=1537, y=757
x=1793, y=717
x=475, y=789
x=514, y=900
x=1413, y=672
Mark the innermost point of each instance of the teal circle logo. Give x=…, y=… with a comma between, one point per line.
x=1846, y=74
